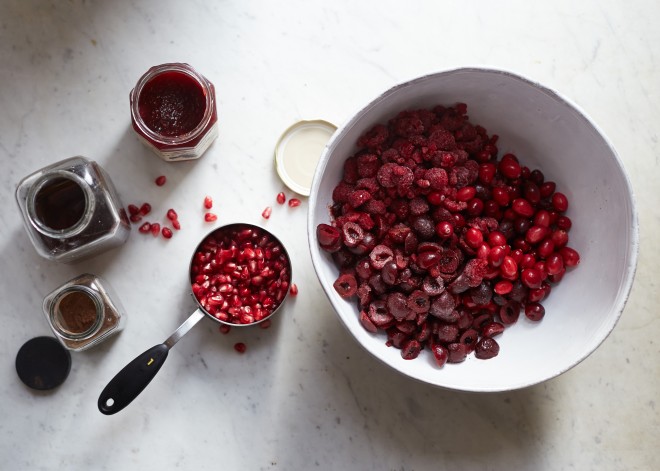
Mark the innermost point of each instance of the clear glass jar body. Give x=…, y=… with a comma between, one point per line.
x=161, y=98
x=71, y=210
x=84, y=312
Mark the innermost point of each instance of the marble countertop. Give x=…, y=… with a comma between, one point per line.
x=304, y=395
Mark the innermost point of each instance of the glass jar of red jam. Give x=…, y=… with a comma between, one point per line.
x=71, y=210
x=174, y=111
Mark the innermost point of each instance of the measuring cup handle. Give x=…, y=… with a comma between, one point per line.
x=131, y=380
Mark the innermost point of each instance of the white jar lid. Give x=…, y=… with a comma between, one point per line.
x=298, y=152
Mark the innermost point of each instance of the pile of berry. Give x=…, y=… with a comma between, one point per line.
x=442, y=242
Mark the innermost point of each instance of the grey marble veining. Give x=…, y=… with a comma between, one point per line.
x=304, y=395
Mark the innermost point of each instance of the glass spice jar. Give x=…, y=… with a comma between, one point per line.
x=71, y=210
x=174, y=111
x=83, y=312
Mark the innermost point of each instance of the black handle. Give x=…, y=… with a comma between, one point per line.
x=131, y=380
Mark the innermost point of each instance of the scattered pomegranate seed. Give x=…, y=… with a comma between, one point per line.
x=145, y=228
x=133, y=210
x=172, y=215
x=210, y=217
x=281, y=198
x=135, y=218
x=266, y=212
x=265, y=324
x=145, y=209
x=293, y=290
x=160, y=181
x=224, y=328
x=155, y=229
x=240, y=347
x=443, y=249
x=176, y=225
x=293, y=202
x=167, y=232
x=208, y=202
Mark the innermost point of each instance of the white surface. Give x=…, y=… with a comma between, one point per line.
x=546, y=132
x=304, y=395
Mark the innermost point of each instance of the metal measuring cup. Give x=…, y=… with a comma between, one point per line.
x=136, y=375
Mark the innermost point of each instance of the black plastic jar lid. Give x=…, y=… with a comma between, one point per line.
x=43, y=363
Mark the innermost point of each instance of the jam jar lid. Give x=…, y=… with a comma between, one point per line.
x=42, y=363
x=298, y=152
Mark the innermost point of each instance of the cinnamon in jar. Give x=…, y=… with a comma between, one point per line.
x=83, y=312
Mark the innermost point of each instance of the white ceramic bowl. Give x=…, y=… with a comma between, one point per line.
x=546, y=131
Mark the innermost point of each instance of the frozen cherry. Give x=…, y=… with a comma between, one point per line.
x=345, y=285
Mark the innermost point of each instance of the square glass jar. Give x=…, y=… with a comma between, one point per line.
x=83, y=312
x=174, y=111
x=71, y=210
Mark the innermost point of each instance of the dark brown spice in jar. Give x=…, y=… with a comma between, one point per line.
x=77, y=312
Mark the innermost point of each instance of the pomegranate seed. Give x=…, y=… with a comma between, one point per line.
x=135, y=218
x=266, y=212
x=281, y=198
x=133, y=210
x=293, y=290
x=145, y=209
x=210, y=217
x=155, y=229
x=167, y=232
x=145, y=228
x=440, y=353
x=160, y=181
x=265, y=324
x=208, y=202
x=240, y=347
x=171, y=215
x=224, y=328
x=176, y=225
x=293, y=202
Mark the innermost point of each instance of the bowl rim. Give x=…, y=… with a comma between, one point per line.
x=633, y=233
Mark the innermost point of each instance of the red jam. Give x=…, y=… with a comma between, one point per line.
x=174, y=111
x=172, y=104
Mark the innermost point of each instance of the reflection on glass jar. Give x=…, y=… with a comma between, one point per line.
x=71, y=210
x=174, y=111
x=83, y=312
